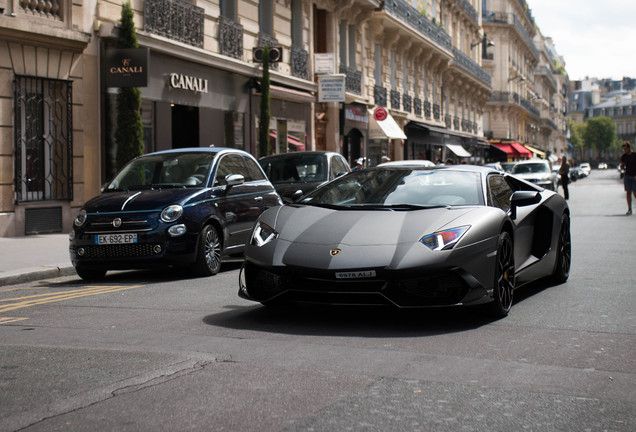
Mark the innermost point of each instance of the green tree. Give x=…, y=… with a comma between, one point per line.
x=600, y=134
x=576, y=136
x=129, y=128
x=263, y=131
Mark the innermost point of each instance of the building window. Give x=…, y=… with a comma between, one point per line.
x=297, y=23
x=228, y=9
x=44, y=140
x=377, y=72
x=347, y=44
x=266, y=17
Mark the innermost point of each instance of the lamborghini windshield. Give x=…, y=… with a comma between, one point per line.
x=400, y=189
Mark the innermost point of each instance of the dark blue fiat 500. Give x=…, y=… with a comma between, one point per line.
x=186, y=207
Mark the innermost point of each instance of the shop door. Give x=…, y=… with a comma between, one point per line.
x=185, y=126
x=352, y=146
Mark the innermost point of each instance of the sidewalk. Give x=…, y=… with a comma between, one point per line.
x=30, y=258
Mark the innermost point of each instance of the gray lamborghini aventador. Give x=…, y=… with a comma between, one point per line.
x=410, y=237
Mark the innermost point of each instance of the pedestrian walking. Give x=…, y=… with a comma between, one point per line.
x=564, y=172
x=628, y=163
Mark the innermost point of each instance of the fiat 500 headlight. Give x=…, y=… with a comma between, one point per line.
x=171, y=213
x=445, y=239
x=263, y=234
x=80, y=219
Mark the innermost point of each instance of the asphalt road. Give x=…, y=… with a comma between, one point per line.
x=163, y=351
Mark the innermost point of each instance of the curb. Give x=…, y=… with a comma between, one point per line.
x=36, y=275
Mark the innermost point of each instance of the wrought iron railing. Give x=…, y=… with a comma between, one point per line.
x=470, y=66
x=299, y=62
x=230, y=38
x=379, y=95
x=395, y=99
x=511, y=19
x=406, y=102
x=353, y=79
x=411, y=16
x=176, y=20
x=417, y=106
x=437, y=112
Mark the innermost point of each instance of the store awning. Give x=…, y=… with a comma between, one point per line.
x=458, y=150
x=508, y=148
x=387, y=128
x=537, y=151
x=292, y=95
x=523, y=152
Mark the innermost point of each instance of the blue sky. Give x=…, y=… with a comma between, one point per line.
x=596, y=38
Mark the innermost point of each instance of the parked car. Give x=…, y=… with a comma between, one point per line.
x=296, y=173
x=537, y=171
x=410, y=237
x=507, y=166
x=495, y=165
x=602, y=166
x=408, y=163
x=585, y=169
x=184, y=207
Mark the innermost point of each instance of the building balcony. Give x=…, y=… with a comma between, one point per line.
x=353, y=79
x=514, y=99
x=299, y=63
x=417, y=107
x=380, y=95
x=406, y=13
x=489, y=17
x=470, y=66
x=437, y=112
x=407, y=102
x=176, y=20
x=230, y=38
x=395, y=99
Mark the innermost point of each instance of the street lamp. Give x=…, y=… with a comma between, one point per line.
x=485, y=41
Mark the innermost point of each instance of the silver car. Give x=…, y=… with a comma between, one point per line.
x=537, y=171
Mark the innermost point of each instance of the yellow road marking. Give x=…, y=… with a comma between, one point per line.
x=6, y=320
x=40, y=299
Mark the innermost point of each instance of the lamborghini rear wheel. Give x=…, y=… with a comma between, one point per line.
x=564, y=252
x=504, y=285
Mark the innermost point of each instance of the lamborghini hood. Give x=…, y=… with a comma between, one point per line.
x=322, y=226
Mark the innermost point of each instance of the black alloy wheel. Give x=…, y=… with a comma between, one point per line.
x=504, y=277
x=209, y=255
x=564, y=252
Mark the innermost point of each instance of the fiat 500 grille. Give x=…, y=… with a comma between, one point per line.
x=119, y=251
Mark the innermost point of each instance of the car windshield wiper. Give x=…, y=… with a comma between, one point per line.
x=415, y=206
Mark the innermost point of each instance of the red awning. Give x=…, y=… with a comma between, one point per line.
x=507, y=148
x=524, y=152
x=514, y=150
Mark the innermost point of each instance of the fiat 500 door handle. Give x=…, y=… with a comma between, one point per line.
x=258, y=198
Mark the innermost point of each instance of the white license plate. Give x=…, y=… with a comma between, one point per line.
x=108, y=239
x=355, y=274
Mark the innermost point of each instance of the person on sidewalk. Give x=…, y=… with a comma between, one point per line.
x=628, y=163
x=564, y=172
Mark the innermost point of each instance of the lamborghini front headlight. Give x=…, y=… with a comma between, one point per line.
x=445, y=239
x=262, y=234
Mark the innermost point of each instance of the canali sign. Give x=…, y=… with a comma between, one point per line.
x=184, y=82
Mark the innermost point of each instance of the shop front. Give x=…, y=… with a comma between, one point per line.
x=355, y=132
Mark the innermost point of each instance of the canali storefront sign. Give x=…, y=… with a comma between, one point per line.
x=184, y=82
x=127, y=67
